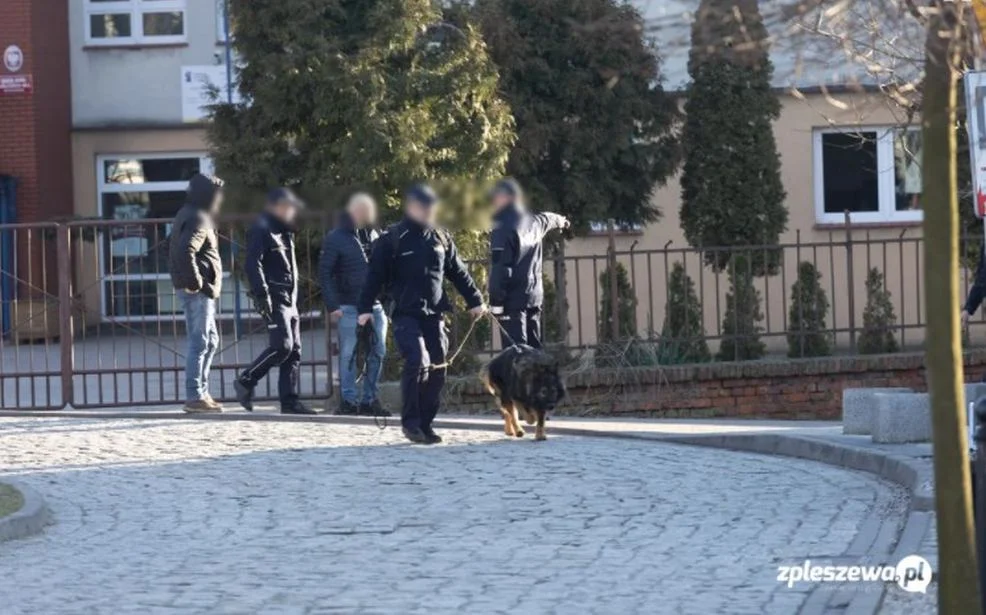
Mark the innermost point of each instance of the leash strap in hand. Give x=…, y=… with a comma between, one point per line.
x=503, y=329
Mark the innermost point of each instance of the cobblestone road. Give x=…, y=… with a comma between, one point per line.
x=222, y=517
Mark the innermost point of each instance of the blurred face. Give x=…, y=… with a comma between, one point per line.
x=421, y=213
x=501, y=200
x=284, y=211
x=363, y=210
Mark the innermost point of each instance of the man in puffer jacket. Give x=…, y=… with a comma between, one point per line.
x=196, y=272
x=342, y=269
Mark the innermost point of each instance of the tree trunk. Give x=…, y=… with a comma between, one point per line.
x=958, y=578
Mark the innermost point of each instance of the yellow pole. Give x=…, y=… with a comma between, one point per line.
x=958, y=575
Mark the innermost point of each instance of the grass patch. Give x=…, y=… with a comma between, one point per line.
x=11, y=500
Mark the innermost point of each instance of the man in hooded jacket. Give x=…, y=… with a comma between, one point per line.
x=196, y=273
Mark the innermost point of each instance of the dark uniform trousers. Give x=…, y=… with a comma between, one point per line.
x=284, y=350
x=422, y=343
x=523, y=327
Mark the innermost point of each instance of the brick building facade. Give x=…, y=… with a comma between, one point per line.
x=36, y=125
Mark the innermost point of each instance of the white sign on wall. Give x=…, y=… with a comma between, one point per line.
x=199, y=87
x=975, y=95
x=13, y=58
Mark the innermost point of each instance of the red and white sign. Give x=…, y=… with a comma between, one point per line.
x=16, y=84
x=13, y=58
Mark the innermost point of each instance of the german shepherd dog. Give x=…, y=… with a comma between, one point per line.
x=525, y=381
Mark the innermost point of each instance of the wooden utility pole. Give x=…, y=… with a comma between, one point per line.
x=958, y=575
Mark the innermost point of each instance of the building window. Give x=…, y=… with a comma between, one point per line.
x=135, y=22
x=873, y=173
x=134, y=257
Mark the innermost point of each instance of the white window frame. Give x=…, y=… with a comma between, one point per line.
x=105, y=187
x=136, y=9
x=886, y=187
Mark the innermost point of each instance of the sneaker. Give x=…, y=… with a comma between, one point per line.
x=430, y=436
x=296, y=407
x=200, y=406
x=347, y=408
x=215, y=404
x=244, y=394
x=374, y=409
x=415, y=435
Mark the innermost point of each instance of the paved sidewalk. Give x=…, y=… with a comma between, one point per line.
x=267, y=514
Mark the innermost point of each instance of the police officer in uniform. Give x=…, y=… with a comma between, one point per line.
x=272, y=270
x=411, y=260
x=516, y=286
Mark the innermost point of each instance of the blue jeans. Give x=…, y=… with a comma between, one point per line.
x=203, y=341
x=348, y=370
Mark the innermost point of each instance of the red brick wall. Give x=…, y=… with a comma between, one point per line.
x=35, y=128
x=18, y=145
x=791, y=389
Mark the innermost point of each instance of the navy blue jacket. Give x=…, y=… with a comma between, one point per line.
x=271, y=266
x=411, y=261
x=515, y=278
x=344, y=263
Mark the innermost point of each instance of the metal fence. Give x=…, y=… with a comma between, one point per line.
x=90, y=319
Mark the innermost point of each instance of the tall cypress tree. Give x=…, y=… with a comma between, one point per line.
x=731, y=185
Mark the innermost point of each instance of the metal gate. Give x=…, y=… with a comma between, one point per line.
x=108, y=327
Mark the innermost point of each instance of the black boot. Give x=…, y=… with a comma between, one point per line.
x=374, y=409
x=415, y=435
x=347, y=408
x=244, y=394
x=430, y=436
x=296, y=407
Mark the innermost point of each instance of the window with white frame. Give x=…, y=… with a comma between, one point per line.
x=134, y=257
x=135, y=22
x=874, y=173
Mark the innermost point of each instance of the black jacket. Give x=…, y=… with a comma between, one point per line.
x=344, y=263
x=271, y=266
x=193, y=247
x=411, y=261
x=515, y=278
x=978, y=291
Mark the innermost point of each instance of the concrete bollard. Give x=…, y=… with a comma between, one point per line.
x=902, y=417
x=858, y=406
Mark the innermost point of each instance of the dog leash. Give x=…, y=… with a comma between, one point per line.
x=366, y=339
x=455, y=355
x=503, y=329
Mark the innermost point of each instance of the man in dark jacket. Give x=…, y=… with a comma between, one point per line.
x=516, y=285
x=412, y=260
x=196, y=273
x=342, y=269
x=272, y=270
